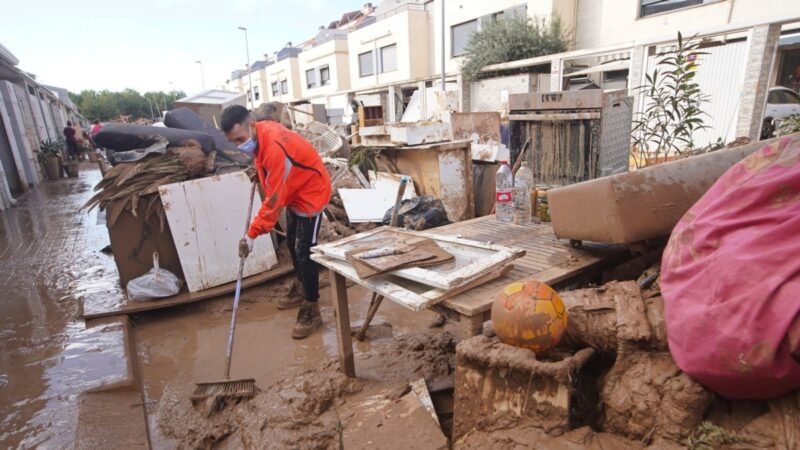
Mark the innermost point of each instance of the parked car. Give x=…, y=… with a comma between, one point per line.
x=781, y=102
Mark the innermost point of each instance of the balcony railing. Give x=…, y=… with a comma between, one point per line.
x=392, y=12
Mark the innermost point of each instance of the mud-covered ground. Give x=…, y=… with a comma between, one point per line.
x=183, y=346
x=311, y=408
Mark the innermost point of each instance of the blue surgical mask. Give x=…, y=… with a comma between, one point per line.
x=249, y=146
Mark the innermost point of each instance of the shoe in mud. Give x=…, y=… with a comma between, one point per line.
x=308, y=320
x=293, y=299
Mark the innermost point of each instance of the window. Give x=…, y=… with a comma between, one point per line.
x=366, y=64
x=783, y=97
x=31, y=91
x=311, y=80
x=256, y=93
x=274, y=88
x=284, y=86
x=774, y=97
x=650, y=7
x=460, y=36
x=388, y=58
x=324, y=76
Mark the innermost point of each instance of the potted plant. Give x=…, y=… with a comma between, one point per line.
x=49, y=154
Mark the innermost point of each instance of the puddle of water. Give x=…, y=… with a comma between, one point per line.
x=49, y=260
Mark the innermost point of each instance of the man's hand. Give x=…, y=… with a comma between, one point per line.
x=245, y=247
x=252, y=174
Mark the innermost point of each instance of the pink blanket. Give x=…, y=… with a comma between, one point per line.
x=731, y=279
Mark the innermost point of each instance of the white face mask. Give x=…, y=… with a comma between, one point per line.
x=249, y=146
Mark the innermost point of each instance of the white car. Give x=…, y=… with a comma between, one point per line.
x=781, y=102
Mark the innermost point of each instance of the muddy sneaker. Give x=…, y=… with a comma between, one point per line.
x=308, y=320
x=293, y=299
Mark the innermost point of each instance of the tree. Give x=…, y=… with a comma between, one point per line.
x=673, y=106
x=107, y=105
x=513, y=38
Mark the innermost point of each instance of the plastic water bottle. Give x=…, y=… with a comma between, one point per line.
x=504, y=206
x=522, y=195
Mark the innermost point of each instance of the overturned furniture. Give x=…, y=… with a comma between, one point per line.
x=637, y=206
x=571, y=136
x=443, y=171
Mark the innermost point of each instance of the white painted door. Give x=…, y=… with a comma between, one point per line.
x=207, y=220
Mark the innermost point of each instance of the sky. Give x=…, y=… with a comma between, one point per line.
x=152, y=45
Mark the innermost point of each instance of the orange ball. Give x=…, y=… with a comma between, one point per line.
x=529, y=314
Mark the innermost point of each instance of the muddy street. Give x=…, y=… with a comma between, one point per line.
x=49, y=258
x=52, y=361
x=185, y=345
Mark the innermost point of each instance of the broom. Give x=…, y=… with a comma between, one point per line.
x=218, y=393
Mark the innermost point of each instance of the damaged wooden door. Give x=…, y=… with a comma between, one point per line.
x=207, y=220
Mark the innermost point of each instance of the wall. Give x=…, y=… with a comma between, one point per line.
x=285, y=69
x=259, y=78
x=13, y=113
x=460, y=11
x=607, y=22
x=333, y=54
x=408, y=30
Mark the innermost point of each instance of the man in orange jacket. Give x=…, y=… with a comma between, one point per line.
x=293, y=177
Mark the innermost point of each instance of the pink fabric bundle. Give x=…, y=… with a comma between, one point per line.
x=731, y=279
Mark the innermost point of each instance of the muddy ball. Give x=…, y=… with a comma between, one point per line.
x=529, y=314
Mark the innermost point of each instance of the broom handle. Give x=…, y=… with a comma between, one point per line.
x=238, y=288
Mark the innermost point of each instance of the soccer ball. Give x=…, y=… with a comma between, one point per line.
x=529, y=314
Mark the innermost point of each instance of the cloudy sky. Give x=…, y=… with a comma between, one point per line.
x=146, y=44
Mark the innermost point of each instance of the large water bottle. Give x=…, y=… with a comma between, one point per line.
x=504, y=205
x=523, y=181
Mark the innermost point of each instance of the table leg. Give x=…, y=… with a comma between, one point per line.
x=341, y=313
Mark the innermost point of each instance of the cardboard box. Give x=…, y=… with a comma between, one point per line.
x=641, y=205
x=133, y=241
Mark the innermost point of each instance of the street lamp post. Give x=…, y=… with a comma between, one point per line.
x=249, y=72
x=202, y=75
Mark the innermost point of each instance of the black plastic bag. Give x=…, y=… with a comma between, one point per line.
x=419, y=213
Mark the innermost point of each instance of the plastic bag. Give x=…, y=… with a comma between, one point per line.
x=419, y=213
x=157, y=283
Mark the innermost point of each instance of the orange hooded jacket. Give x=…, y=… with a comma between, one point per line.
x=292, y=174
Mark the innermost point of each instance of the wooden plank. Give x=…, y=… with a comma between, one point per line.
x=546, y=258
x=476, y=258
x=341, y=314
x=91, y=311
x=483, y=279
x=390, y=290
x=399, y=294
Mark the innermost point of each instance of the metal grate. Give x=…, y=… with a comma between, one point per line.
x=615, y=134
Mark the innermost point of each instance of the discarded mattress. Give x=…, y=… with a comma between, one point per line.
x=186, y=119
x=121, y=137
x=636, y=206
x=731, y=278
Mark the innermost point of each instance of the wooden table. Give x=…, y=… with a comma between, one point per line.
x=548, y=259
